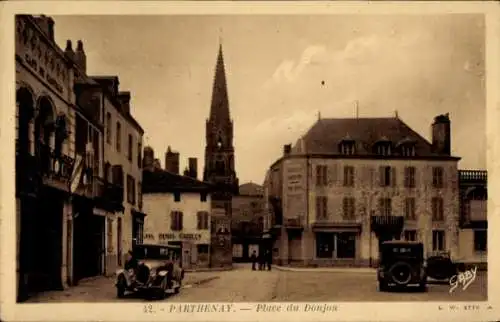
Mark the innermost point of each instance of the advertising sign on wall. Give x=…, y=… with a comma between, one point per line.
x=295, y=188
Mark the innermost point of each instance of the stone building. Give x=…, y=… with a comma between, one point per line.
x=247, y=221
x=62, y=199
x=219, y=167
x=178, y=209
x=349, y=184
x=473, y=217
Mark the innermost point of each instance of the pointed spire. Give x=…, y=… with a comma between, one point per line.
x=219, y=109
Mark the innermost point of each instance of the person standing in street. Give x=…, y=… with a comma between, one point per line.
x=269, y=259
x=262, y=260
x=253, y=257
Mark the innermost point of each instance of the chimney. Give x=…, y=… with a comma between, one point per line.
x=156, y=165
x=186, y=172
x=124, y=99
x=69, y=50
x=148, y=159
x=193, y=167
x=80, y=57
x=441, y=134
x=287, y=148
x=50, y=28
x=172, y=161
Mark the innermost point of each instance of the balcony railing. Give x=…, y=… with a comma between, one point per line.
x=54, y=165
x=473, y=175
x=108, y=195
x=326, y=222
x=387, y=225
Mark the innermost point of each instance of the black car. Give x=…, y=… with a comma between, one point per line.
x=440, y=267
x=402, y=264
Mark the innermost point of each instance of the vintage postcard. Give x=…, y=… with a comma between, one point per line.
x=249, y=161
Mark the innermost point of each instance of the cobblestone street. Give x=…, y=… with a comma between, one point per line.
x=244, y=285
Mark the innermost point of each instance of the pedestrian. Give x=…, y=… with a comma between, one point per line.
x=269, y=259
x=253, y=257
x=262, y=260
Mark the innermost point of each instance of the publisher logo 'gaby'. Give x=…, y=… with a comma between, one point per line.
x=464, y=279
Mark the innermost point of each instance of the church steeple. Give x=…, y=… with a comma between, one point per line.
x=219, y=109
x=219, y=150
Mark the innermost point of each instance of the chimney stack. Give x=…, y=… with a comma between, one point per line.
x=124, y=99
x=148, y=159
x=80, y=57
x=50, y=28
x=441, y=134
x=287, y=148
x=193, y=167
x=172, y=161
x=186, y=172
x=156, y=165
x=69, y=50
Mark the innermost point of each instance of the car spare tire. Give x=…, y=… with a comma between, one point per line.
x=400, y=273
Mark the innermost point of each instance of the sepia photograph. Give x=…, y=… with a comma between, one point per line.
x=191, y=162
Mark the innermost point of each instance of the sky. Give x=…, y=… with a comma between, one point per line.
x=284, y=70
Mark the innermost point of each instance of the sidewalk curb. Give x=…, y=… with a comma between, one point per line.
x=326, y=270
x=204, y=280
x=203, y=270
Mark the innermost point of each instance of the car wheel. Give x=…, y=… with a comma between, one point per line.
x=120, y=287
x=400, y=273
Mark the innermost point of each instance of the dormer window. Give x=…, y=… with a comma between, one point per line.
x=347, y=148
x=408, y=150
x=383, y=149
x=406, y=147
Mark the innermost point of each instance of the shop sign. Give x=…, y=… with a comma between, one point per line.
x=179, y=236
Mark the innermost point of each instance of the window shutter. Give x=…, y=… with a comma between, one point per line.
x=443, y=177
x=325, y=175
x=180, y=220
x=325, y=207
x=393, y=176
x=318, y=175
x=198, y=220
x=381, y=175
x=172, y=220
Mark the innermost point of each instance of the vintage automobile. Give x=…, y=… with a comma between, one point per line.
x=402, y=264
x=440, y=266
x=158, y=272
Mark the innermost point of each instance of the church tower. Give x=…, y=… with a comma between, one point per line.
x=219, y=167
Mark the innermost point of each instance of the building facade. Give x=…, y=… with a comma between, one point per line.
x=219, y=167
x=62, y=198
x=247, y=221
x=473, y=217
x=179, y=213
x=349, y=184
x=122, y=167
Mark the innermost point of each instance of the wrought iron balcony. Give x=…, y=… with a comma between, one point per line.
x=54, y=165
x=108, y=196
x=328, y=222
x=387, y=225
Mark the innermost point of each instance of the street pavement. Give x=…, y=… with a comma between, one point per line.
x=244, y=285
